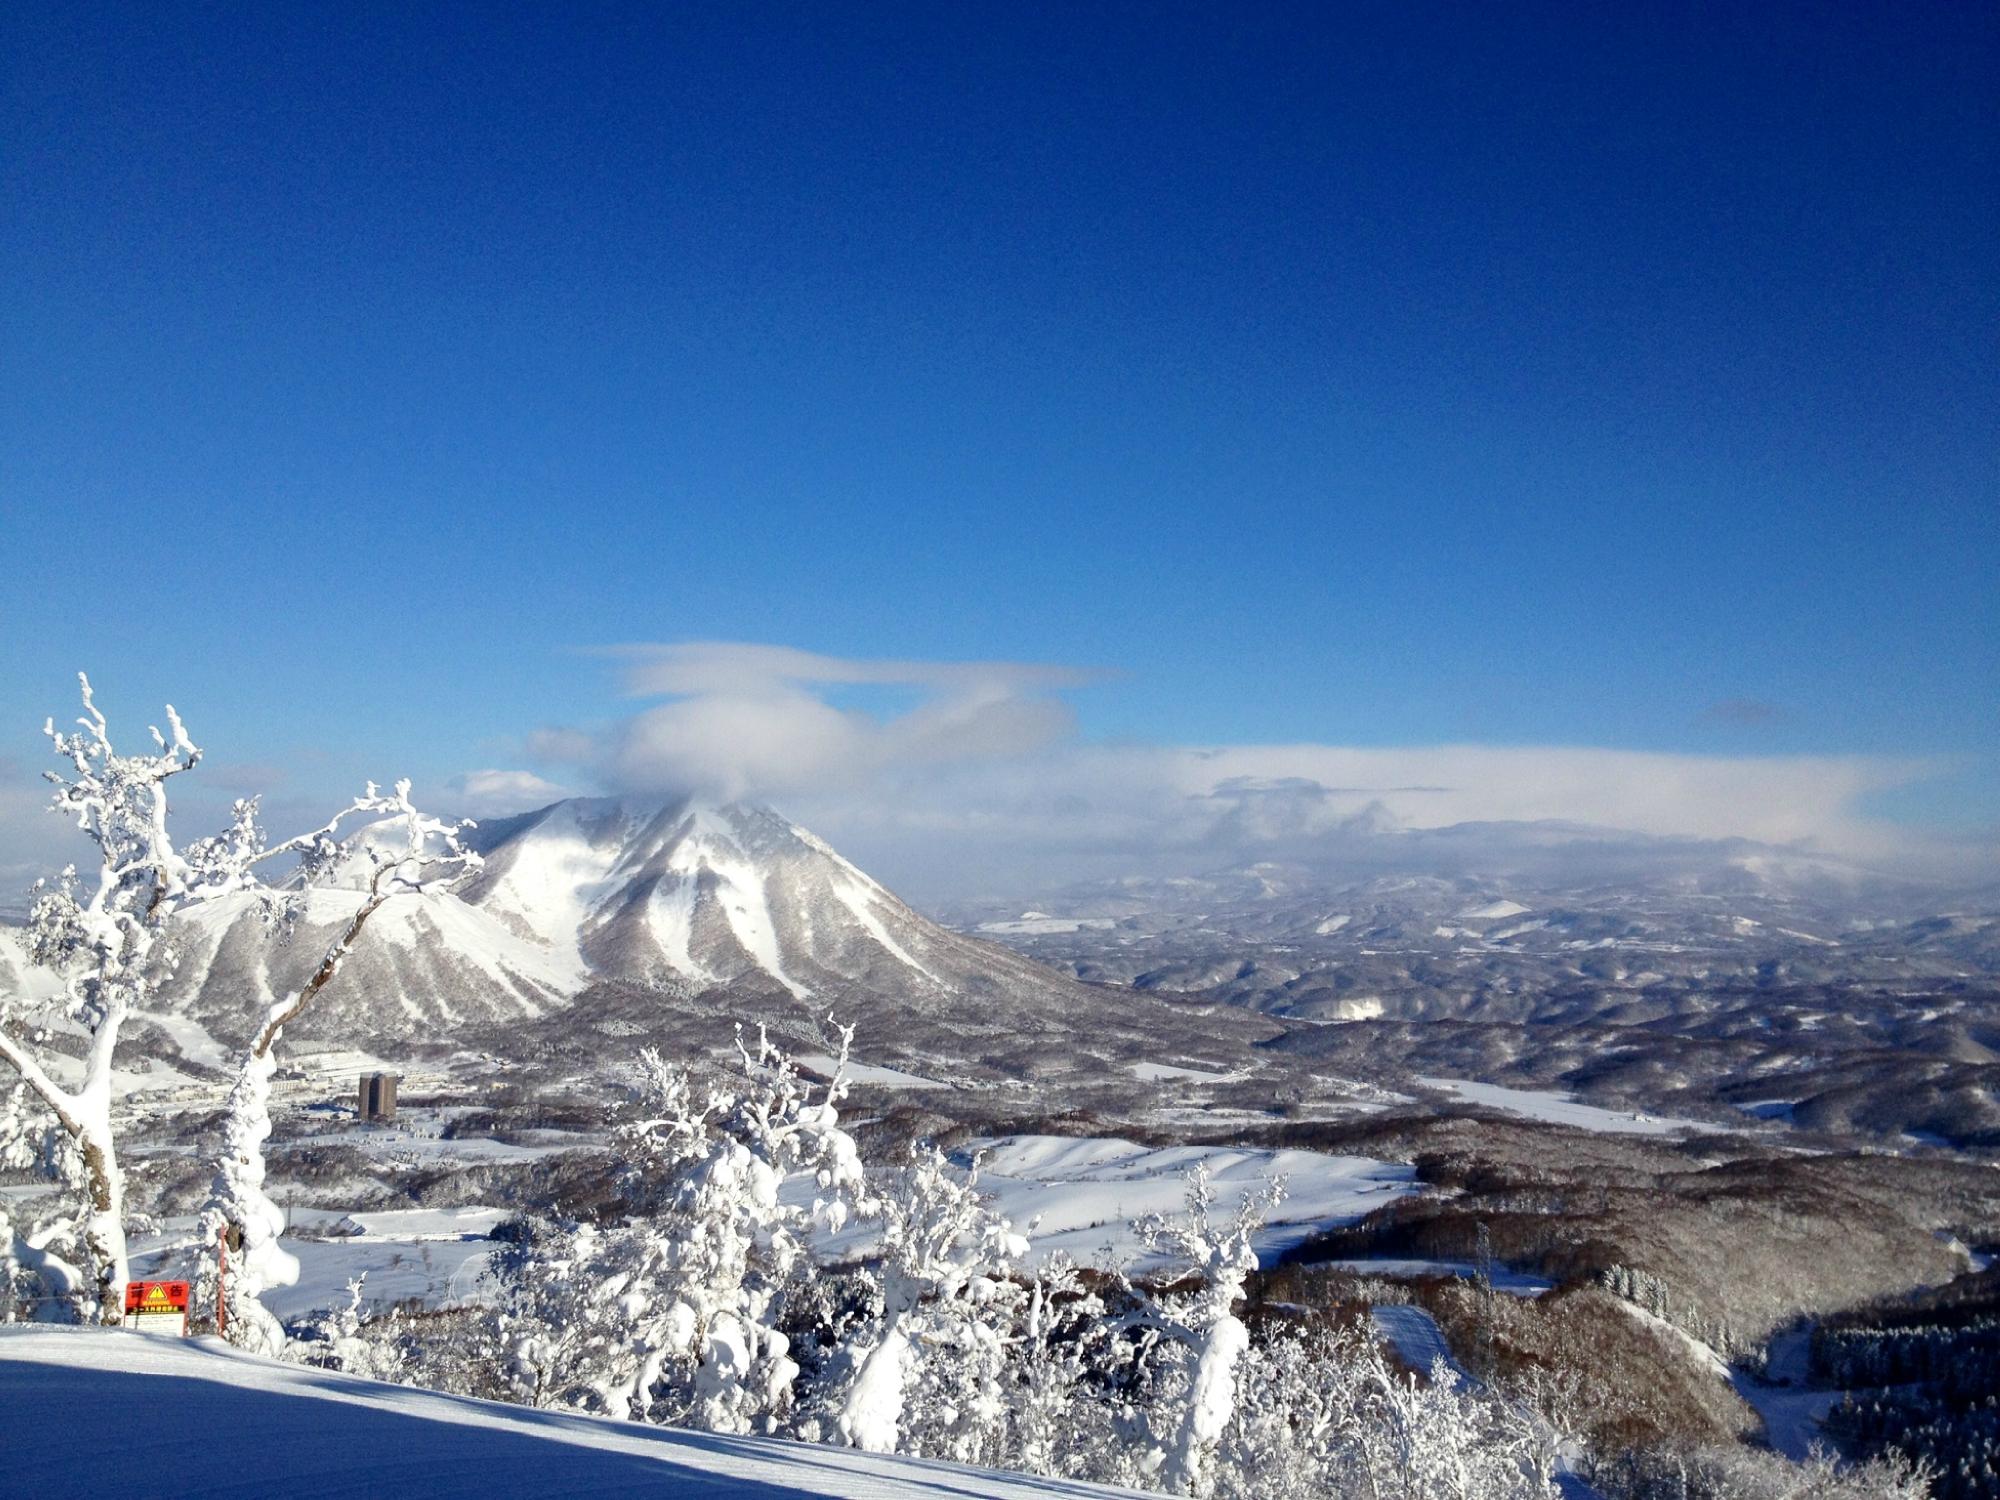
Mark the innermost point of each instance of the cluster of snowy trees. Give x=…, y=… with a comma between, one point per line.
x=108, y=934
x=699, y=1305
x=1741, y=1473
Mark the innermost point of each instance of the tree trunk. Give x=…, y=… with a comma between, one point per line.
x=105, y=1231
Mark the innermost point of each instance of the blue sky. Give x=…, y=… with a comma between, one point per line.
x=1366, y=376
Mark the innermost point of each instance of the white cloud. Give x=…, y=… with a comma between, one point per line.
x=492, y=793
x=984, y=775
x=1098, y=810
x=749, y=720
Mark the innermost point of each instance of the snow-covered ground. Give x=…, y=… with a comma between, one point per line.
x=1515, y=1283
x=1415, y=1336
x=1791, y=1408
x=868, y=1073
x=1039, y=923
x=1561, y=1109
x=118, y=1416
x=1156, y=1072
x=436, y=1257
x=1085, y=1191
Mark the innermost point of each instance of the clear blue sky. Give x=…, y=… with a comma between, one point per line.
x=1372, y=374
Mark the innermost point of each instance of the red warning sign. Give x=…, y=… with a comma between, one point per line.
x=156, y=1296
x=160, y=1306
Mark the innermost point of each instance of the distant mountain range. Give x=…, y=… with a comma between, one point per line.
x=1521, y=922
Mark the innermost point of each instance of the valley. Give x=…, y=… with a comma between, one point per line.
x=1672, y=1134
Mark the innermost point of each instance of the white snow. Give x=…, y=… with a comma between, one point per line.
x=188, y=1419
x=859, y=1073
x=422, y=1224
x=189, y=1036
x=1152, y=1072
x=1494, y=910
x=436, y=1256
x=1034, y=922
x=1085, y=1191
x=1561, y=1109
x=743, y=904
x=859, y=899
x=1416, y=1337
x=1769, y=1109
x=670, y=918
x=1357, y=1008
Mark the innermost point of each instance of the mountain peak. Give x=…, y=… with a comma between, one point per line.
x=694, y=893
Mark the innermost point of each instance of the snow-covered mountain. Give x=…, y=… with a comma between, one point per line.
x=697, y=895
x=619, y=919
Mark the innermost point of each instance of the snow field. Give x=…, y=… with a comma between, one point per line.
x=1085, y=1192
x=1561, y=1109
x=195, y=1418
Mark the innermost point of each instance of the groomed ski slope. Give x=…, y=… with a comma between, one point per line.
x=112, y=1415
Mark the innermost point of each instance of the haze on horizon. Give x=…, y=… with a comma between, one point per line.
x=1009, y=437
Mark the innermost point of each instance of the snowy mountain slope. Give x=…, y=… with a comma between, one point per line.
x=699, y=894
x=421, y=965
x=117, y=1415
x=1084, y=1195
x=595, y=922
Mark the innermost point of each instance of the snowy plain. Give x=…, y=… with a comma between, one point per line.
x=195, y=1418
x=1080, y=1194
x=1561, y=1109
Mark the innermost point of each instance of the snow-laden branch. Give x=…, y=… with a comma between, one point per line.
x=406, y=852
x=1221, y=1255
x=106, y=936
x=945, y=1265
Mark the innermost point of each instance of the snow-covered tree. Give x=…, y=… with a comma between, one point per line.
x=1064, y=1416
x=1203, y=1321
x=341, y=1338
x=105, y=936
x=739, y=1243
x=1322, y=1413
x=591, y=1318
x=674, y=1312
x=399, y=852
x=947, y=1302
x=39, y=1235
x=108, y=936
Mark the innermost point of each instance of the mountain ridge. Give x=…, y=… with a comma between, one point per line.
x=609, y=918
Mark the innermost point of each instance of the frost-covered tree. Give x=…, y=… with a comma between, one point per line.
x=399, y=852
x=341, y=1338
x=675, y=1312
x=739, y=1243
x=1203, y=1322
x=1322, y=1414
x=1065, y=1416
x=948, y=1301
x=591, y=1318
x=109, y=937
x=1433, y=1440
x=105, y=936
x=39, y=1248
